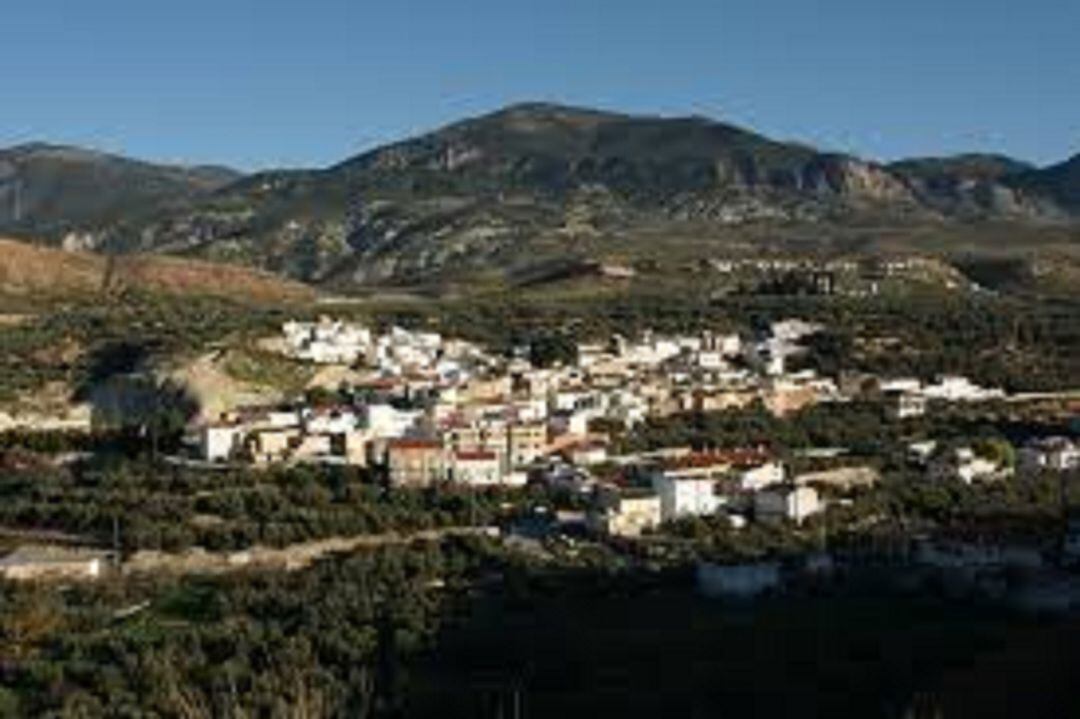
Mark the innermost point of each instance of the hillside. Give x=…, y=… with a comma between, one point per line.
x=489, y=198
x=32, y=271
x=52, y=190
x=1060, y=184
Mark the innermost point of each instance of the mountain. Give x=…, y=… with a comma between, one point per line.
x=51, y=190
x=1059, y=183
x=554, y=151
x=967, y=186
x=499, y=190
x=491, y=197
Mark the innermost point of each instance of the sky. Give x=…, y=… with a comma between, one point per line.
x=270, y=83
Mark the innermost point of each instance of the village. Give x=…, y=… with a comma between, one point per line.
x=427, y=410
x=420, y=410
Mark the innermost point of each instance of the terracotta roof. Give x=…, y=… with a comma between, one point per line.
x=414, y=444
x=476, y=456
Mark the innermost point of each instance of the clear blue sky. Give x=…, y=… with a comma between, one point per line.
x=260, y=83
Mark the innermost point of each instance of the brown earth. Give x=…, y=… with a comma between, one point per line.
x=32, y=270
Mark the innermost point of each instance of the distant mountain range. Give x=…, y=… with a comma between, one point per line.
x=489, y=195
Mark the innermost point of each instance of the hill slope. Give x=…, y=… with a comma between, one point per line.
x=39, y=272
x=50, y=190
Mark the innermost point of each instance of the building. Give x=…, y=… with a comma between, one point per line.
x=758, y=478
x=46, y=563
x=588, y=453
x=965, y=465
x=685, y=496
x=313, y=447
x=616, y=514
x=272, y=445
x=354, y=447
x=384, y=420
x=960, y=389
x=476, y=468
x=1056, y=454
x=527, y=443
x=415, y=462
x=786, y=502
x=900, y=404
x=219, y=442
x=842, y=478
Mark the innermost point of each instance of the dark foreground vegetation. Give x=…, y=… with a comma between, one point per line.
x=464, y=629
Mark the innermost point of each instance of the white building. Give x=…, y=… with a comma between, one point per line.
x=476, y=468
x=43, y=563
x=618, y=515
x=220, y=441
x=784, y=502
x=758, y=478
x=1057, y=454
x=901, y=405
x=384, y=420
x=337, y=421
x=960, y=389
x=965, y=465
x=685, y=496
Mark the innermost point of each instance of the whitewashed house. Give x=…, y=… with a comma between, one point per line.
x=758, y=478
x=1056, y=454
x=785, y=502
x=476, y=468
x=220, y=441
x=685, y=496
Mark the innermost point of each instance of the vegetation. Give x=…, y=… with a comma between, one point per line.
x=82, y=345
x=334, y=640
x=176, y=508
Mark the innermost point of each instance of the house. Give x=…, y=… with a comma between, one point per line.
x=619, y=514
x=354, y=448
x=476, y=468
x=901, y=404
x=313, y=446
x=527, y=442
x=787, y=502
x=1056, y=454
x=964, y=464
x=220, y=441
x=960, y=389
x=44, y=563
x=919, y=453
x=685, y=496
x=384, y=420
x=783, y=397
x=588, y=453
x=758, y=478
x=415, y=462
x=272, y=445
x=330, y=421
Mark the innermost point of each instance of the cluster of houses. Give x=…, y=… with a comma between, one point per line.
x=426, y=409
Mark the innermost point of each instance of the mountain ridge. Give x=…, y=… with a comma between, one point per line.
x=490, y=192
